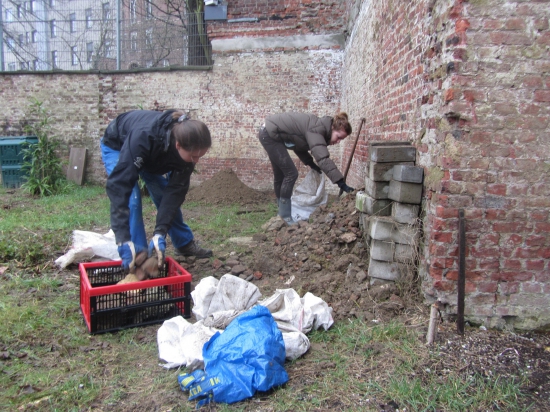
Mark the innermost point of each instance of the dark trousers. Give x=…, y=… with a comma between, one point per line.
x=285, y=173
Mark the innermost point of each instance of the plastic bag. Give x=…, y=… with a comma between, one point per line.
x=247, y=357
x=308, y=195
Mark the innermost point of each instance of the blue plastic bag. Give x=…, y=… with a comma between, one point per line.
x=248, y=356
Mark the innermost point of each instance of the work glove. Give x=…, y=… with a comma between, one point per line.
x=128, y=252
x=316, y=168
x=343, y=186
x=158, y=243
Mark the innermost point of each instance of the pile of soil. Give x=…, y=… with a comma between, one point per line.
x=225, y=188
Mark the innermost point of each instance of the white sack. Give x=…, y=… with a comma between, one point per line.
x=308, y=195
x=317, y=313
x=87, y=245
x=180, y=343
x=230, y=293
x=296, y=342
x=305, y=314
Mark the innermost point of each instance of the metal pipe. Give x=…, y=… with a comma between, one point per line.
x=461, y=287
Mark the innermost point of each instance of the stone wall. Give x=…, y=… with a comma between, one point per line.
x=468, y=84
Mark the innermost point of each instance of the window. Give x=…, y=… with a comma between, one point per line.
x=133, y=11
x=19, y=11
x=21, y=40
x=166, y=63
x=34, y=36
x=149, y=63
x=27, y=38
x=53, y=29
x=54, y=59
x=74, y=55
x=35, y=64
x=11, y=67
x=32, y=6
x=52, y=3
x=133, y=40
x=89, y=21
x=89, y=51
x=10, y=41
x=23, y=66
x=149, y=37
x=9, y=16
x=106, y=12
x=72, y=22
x=149, y=9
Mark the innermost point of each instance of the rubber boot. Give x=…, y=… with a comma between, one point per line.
x=285, y=210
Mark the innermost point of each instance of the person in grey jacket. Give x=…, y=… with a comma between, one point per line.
x=162, y=148
x=303, y=133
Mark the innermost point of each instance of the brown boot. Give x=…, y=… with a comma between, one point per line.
x=193, y=249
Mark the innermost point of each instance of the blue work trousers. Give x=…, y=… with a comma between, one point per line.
x=179, y=231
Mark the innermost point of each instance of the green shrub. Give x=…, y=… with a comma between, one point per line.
x=41, y=164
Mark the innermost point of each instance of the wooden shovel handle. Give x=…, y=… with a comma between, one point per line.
x=352, y=152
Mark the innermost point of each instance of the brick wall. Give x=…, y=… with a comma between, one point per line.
x=279, y=18
x=468, y=84
x=233, y=99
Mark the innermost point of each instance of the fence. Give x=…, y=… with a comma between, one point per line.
x=84, y=35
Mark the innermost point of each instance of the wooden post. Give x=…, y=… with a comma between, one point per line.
x=432, y=328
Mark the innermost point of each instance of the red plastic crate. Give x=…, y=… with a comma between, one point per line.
x=108, y=307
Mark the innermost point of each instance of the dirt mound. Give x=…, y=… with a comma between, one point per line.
x=225, y=188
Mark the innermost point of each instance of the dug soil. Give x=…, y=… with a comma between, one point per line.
x=328, y=257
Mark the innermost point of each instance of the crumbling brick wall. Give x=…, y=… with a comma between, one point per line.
x=467, y=82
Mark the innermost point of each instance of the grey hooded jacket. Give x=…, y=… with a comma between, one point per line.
x=304, y=133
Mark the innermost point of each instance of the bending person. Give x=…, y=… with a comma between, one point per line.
x=303, y=133
x=162, y=148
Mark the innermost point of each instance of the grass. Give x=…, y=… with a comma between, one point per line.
x=49, y=361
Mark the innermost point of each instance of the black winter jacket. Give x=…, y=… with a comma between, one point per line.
x=144, y=141
x=305, y=132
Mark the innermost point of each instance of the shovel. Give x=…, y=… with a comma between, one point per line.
x=351, y=155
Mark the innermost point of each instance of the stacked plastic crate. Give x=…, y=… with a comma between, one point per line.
x=11, y=159
x=390, y=206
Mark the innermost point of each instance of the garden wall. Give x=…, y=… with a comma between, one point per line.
x=468, y=84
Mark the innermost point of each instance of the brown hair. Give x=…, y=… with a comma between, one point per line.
x=191, y=134
x=340, y=122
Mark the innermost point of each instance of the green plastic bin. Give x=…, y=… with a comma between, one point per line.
x=11, y=147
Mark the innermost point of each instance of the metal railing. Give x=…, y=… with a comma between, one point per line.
x=84, y=35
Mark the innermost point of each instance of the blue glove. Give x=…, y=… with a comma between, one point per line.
x=343, y=186
x=128, y=252
x=158, y=243
x=316, y=168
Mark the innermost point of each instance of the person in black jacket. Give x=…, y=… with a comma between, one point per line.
x=303, y=133
x=162, y=148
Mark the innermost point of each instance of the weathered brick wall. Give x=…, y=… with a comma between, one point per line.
x=232, y=99
x=279, y=18
x=468, y=84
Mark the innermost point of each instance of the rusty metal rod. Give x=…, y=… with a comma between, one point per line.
x=461, y=287
x=352, y=152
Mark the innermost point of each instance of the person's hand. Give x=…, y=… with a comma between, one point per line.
x=158, y=243
x=316, y=168
x=128, y=252
x=343, y=186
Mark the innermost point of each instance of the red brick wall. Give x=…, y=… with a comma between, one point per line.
x=468, y=84
x=279, y=18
